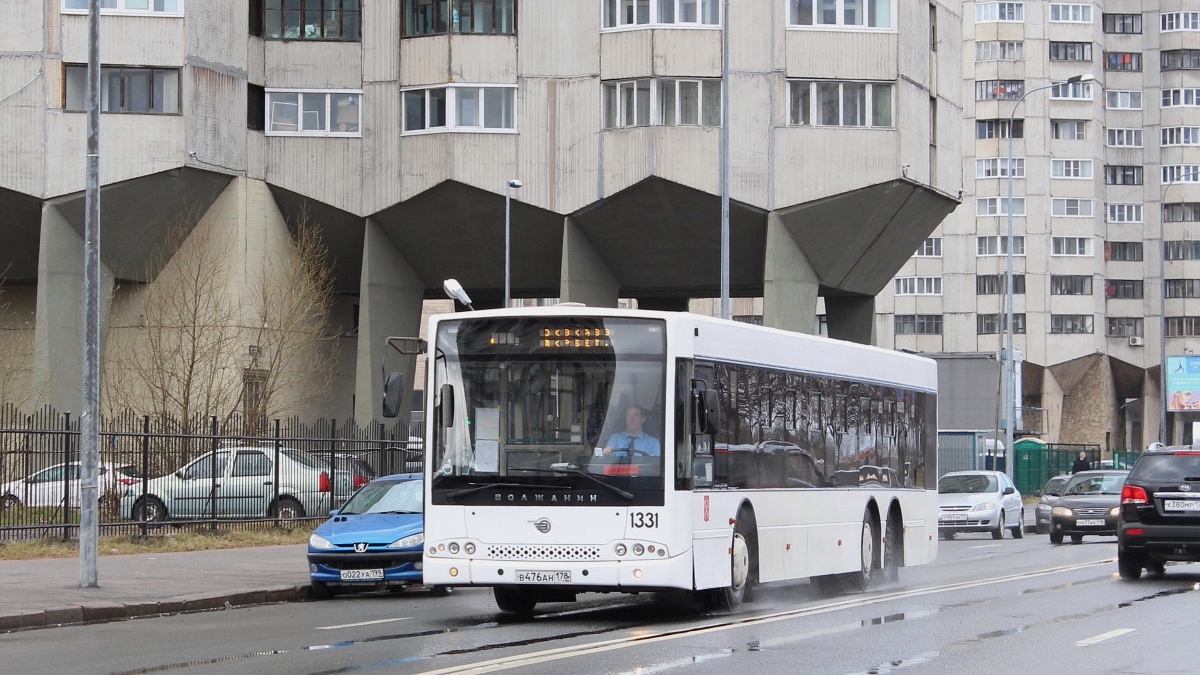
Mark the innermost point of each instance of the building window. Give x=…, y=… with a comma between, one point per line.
x=1124, y=213
x=999, y=90
x=256, y=107
x=460, y=108
x=1123, y=23
x=930, y=248
x=1070, y=13
x=999, y=50
x=1124, y=138
x=1124, y=289
x=1174, y=98
x=1071, y=168
x=994, y=284
x=988, y=12
x=993, y=324
x=1169, y=22
x=1181, y=136
x=840, y=104
x=149, y=91
x=918, y=324
x=1180, y=173
x=987, y=129
x=1182, y=326
x=1123, y=100
x=1123, y=175
x=308, y=20
x=1068, y=130
x=1124, y=326
x=1182, y=250
x=689, y=102
x=998, y=245
x=1186, y=212
x=627, y=104
x=1070, y=51
x=1070, y=284
x=1183, y=288
x=997, y=167
x=1071, y=323
x=1123, y=251
x=1071, y=91
x=998, y=206
x=1122, y=60
x=314, y=113
x=479, y=17
x=1074, y=246
x=917, y=286
x=1179, y=59
x=1070, y=207
x=845, y=13
x=627, y=13
x=150, y=7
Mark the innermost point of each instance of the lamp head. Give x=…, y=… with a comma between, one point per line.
x=1086, y=77
x=454, y=291
x=514, y=184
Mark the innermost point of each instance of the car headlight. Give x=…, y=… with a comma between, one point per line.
x=409, y=541
x=1114, y=511
x=986, y=506
x=1062, y=511
x=317, y=541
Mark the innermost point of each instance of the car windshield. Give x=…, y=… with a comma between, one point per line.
x=303, y=458
x=968, y=484
x=1054, y=487
x=129, y=471
x=385, y=496
x=1102, y=484
x=1160, y=468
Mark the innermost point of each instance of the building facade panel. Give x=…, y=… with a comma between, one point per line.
x=424, y=60
x=300, y=64
x=329, y=170
x=381, y=31
x=692, y=53
x=626, y=54
x=211, y=26
x=558, y=40
x=127, y=40
x=841, y=55
x=216, y=119
x=22, y=123
x=483, y=59
x=383, y=163
x=130, y=146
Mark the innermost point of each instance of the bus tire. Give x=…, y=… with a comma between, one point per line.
x=730, y=598
x=860, y=581
x=512, y=600
x=893, y=548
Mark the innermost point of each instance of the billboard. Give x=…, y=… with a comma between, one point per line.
x=1183, y=383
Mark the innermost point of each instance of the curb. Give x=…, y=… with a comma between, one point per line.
x=100, y=611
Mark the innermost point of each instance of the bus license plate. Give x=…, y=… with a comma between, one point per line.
x=1181, y=505
x=359, y=575
x=1099, y=522
x=541, y=577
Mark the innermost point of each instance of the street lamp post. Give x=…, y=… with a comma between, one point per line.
x=1010, y=372
x=512, y=184
x=1162, y=303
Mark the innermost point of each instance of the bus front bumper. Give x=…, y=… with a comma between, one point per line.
x=621, y=575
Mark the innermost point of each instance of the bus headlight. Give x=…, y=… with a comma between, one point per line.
x=638, y=549
x=469, y=548
x=620, y=549
x=453, y=548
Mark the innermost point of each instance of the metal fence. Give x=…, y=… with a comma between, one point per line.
x=157, y=474
x=1034, y=465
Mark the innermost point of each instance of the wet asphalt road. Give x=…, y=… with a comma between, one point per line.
x=1020, y=606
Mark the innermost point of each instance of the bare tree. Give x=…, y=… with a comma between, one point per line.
x=16, y=355
x=294, y=354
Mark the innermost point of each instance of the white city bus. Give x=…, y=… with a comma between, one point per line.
x=762, y=455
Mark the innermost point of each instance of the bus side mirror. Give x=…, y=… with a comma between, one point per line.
x=704, y=409
x=446, y=405
x=392, y=394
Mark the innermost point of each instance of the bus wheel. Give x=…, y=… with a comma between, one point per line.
x=861, y=580
x=893, y=549
x=729, y=598
x=513, y=600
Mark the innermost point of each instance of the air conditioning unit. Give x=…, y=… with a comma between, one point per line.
x=1135, y=341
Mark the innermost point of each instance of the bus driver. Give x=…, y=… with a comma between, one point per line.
x=633, y=440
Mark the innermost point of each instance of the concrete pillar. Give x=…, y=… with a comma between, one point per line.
x=790, y=284
x=1052, y=401
x=390, y=297
x=585, y=276
x=58, y=325
x=851, y=317
x=1151, y=409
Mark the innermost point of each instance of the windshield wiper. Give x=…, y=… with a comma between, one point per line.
x=395, y=512
x=576, y=472
x=480, y=487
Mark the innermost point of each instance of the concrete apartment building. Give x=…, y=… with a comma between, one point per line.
x=397, y=124
x=1095, y=169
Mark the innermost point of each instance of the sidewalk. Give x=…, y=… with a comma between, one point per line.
x=46, y=592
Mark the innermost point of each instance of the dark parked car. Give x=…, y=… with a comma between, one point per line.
x=1041, y=512
x=1160, y=511
x=1089, y=505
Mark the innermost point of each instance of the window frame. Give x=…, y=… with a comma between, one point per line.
x=1129, y=62
x=998, y=167
x=1123, y=133
x=1124, y=213
x=921, y=324
x=1180, y=97
x=1005, y=50
x=792, y=9
x=1015, y=12
x=1121, y=174
x=68, y=68
x=653, y=10
x=1124, y=326
x=1131, y=251
x=328, y=118
x=995, y=284
x=998, y=129
x=1066, y=202
x=122, y=11
x=448, y=18
x=1179, y=173
x=1071, y=7
x=984, y=247
x=1013, y=90
x=1079, y=52
x=1183, y=136
x=1067, y=91
x=994, y=324
x=815, y=112
x=1071, y=169
x=1112, y=22
x=1072, y=247
x=1177, y=22
x=453, y=92
x=1059, y=323
x=920, y=285
x=1178, y=59
x=261, y=21
x=932, y=243
x=1057, y=126
x=1071, y=284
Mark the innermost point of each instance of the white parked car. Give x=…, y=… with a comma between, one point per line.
x=46, y=488
x=979, y=501
x=239, y=482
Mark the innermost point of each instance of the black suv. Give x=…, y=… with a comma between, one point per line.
x=1160, y=511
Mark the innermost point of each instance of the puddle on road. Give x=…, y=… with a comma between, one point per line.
x=900, y=664
x=1069, y=584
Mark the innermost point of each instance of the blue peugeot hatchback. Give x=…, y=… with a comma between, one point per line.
x=374, y=541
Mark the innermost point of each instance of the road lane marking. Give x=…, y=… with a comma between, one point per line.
x=558, y=653
x=363, y=623
x=985, y=546
x=1104, y=636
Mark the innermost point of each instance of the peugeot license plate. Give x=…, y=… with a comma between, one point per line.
x=1090, y=522
x=362, y=575
x=543, y=577
x=953, y=517
x=1181, y=505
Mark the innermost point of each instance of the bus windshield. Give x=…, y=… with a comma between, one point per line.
x=563, y=407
